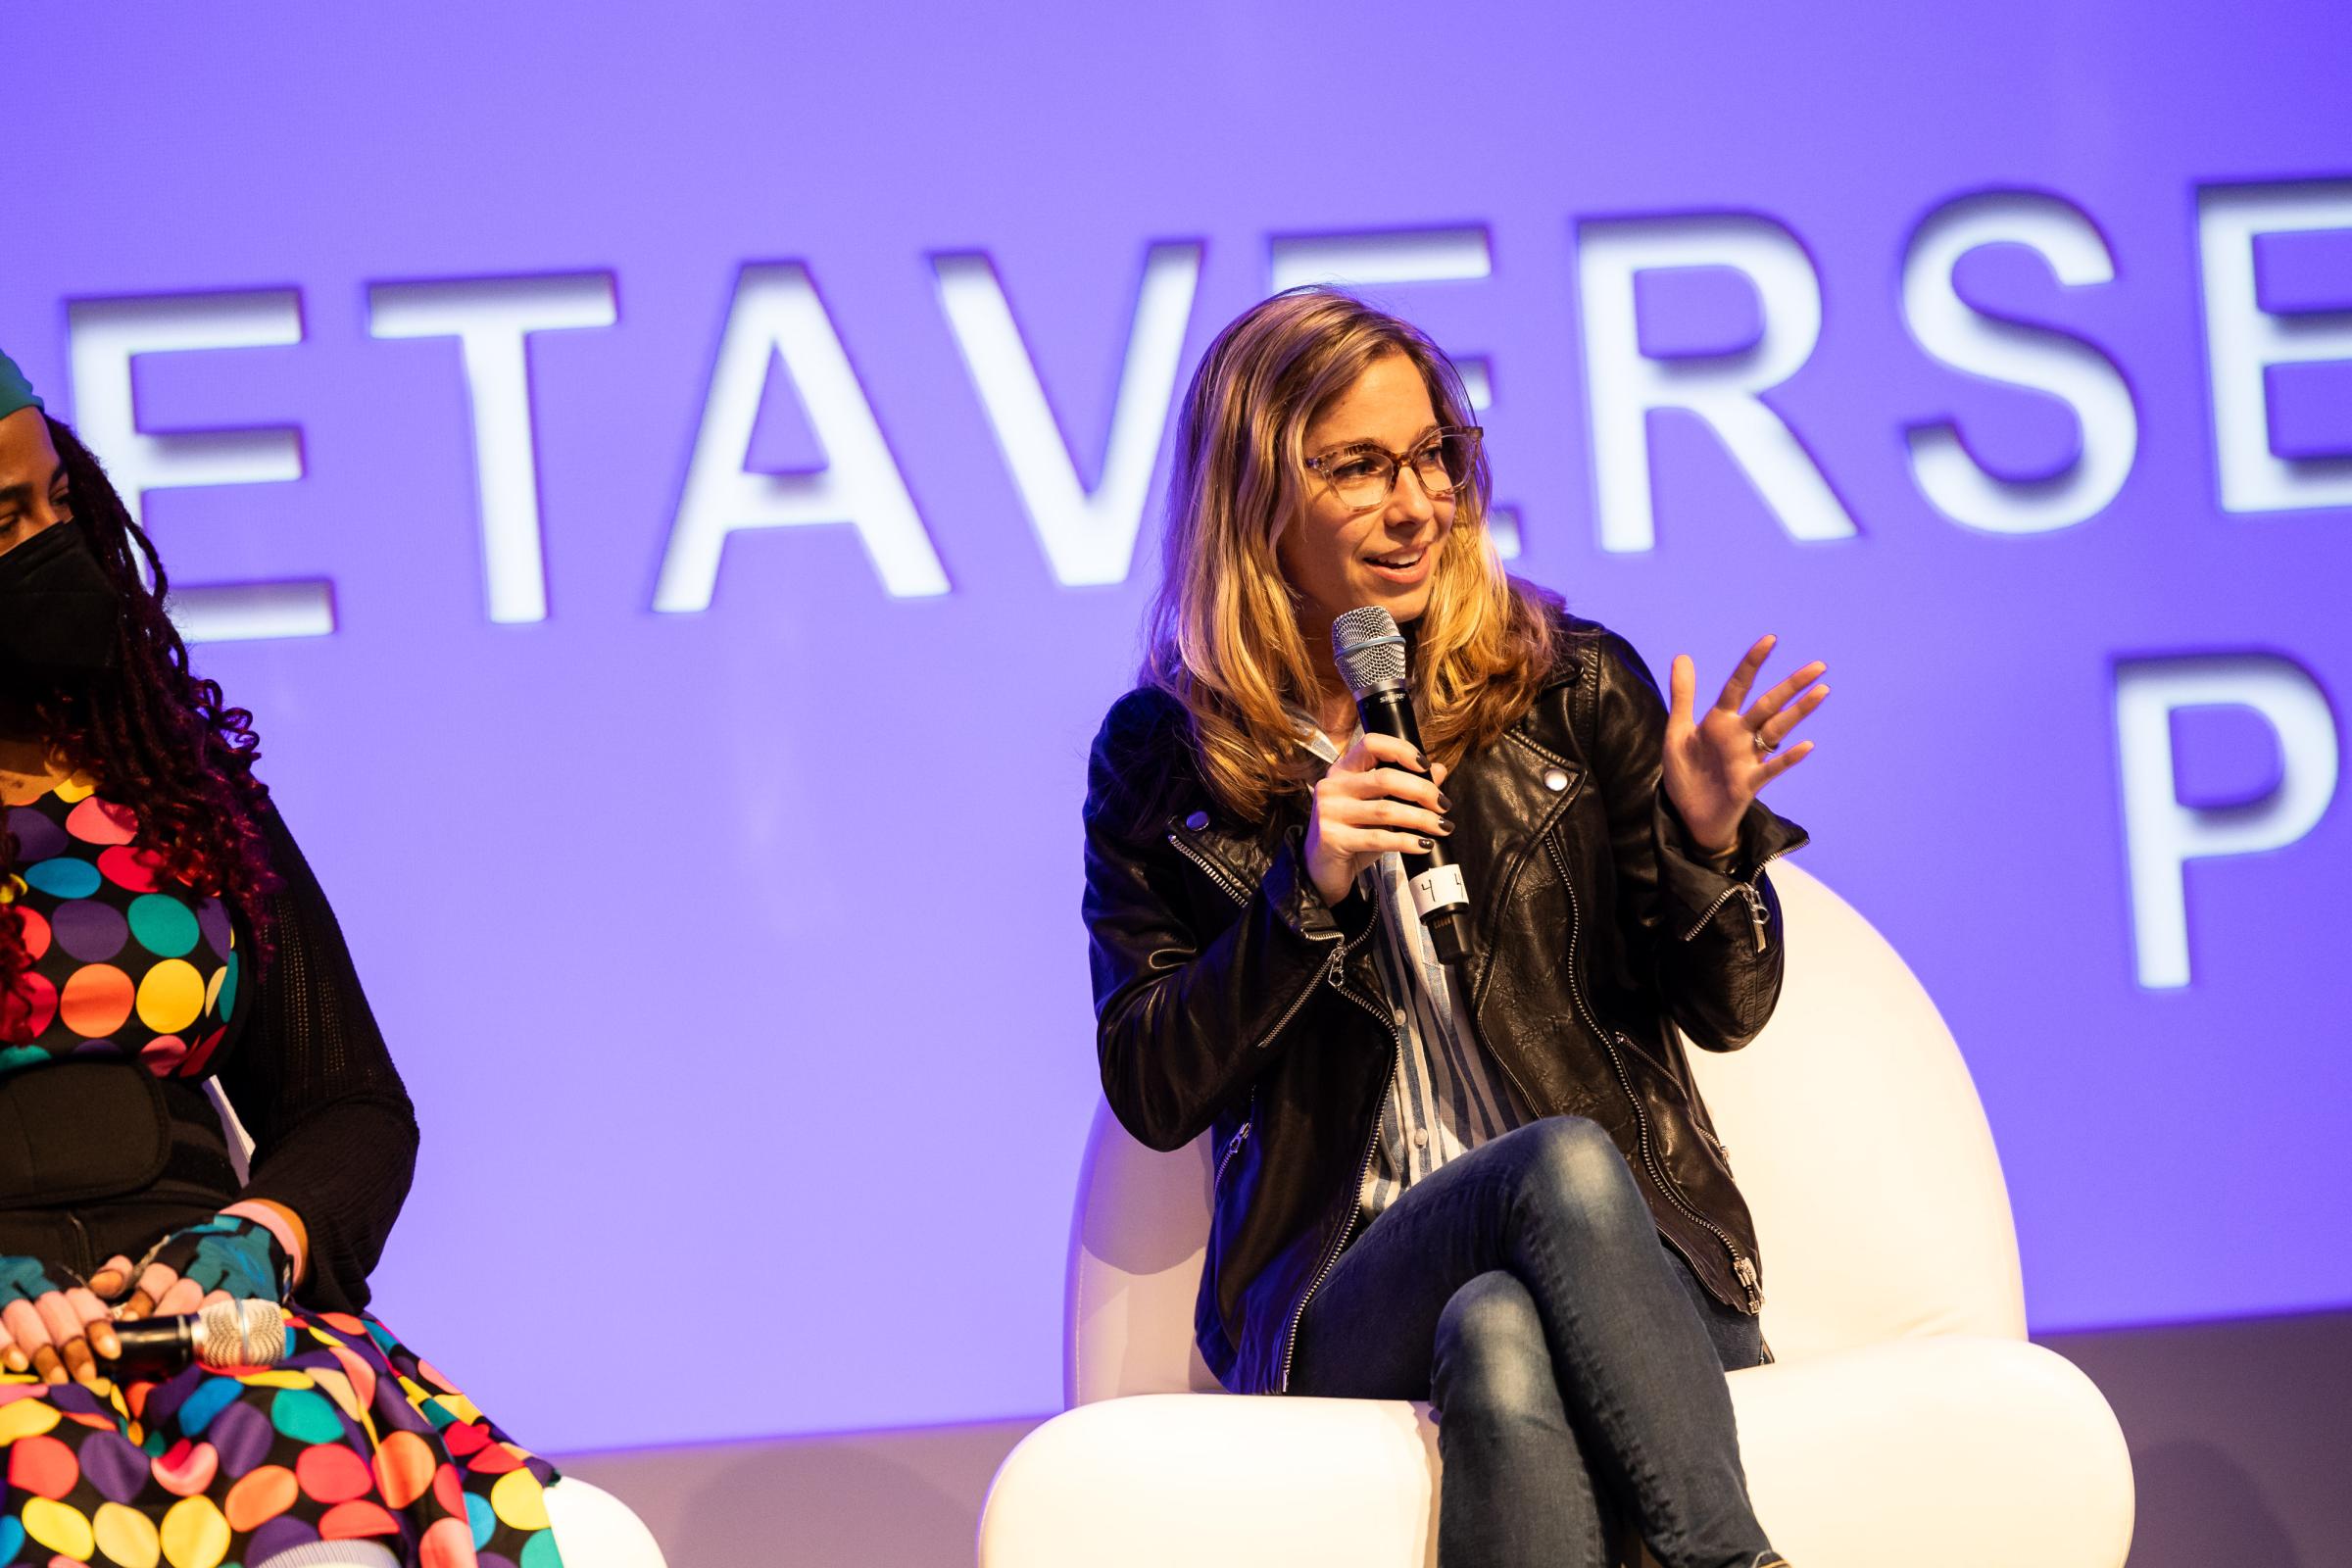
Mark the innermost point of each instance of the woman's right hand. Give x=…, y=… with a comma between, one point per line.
x=1379, y=796
x=51, y=1329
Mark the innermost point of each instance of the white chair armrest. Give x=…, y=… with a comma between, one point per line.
x=594, y=1528
x=1179, y=1480
x=1967, y=1453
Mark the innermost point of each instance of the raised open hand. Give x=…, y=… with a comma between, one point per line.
x=1716, y=762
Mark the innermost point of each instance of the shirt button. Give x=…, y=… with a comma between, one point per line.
x=1420, y=1137
x=1554, y=780
x=1196, y=822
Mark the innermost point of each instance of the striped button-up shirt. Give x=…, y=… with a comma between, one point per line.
x=1446, y=1096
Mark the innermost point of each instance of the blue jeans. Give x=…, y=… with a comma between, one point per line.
x=1522, y=1288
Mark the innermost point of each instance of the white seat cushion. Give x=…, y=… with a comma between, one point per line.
x=1964, y=1452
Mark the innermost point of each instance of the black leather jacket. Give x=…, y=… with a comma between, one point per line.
x=1228, y=995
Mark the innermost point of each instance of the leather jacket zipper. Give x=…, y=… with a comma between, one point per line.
x=1299, y=1001
x=1217, y=873
x=1241, y=894
x=1742, y=1268
x=1363, y=1170
x=1757, y=916
x=1233, y=1145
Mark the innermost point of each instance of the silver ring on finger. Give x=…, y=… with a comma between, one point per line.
x=1764, y=748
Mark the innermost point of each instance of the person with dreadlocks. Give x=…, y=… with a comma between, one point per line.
x=161, y=932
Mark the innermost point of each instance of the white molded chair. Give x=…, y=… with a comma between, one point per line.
x=593, y=1528
x=1907, y=1420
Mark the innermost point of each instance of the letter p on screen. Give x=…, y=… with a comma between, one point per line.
x=2161, y=834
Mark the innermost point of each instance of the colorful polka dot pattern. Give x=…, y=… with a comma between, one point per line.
x=125, y=961
x=351, y=1437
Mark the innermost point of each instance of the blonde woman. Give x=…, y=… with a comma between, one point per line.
x=1490, y=1185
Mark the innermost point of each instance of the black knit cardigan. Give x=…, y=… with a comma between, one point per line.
x=333, y=1131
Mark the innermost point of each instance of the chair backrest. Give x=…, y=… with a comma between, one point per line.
x=1853, y=1128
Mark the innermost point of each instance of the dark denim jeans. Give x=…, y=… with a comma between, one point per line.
x=1522, y=1288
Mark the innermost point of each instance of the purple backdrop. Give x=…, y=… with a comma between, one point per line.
x=674, y=917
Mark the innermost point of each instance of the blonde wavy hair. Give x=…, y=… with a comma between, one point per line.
x=1223, y=636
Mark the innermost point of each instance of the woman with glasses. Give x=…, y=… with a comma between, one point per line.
x=161, y=932
x=1490, y=1183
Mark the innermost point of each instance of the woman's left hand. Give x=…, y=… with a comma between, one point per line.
x=228, y=1257
x=1718, y=761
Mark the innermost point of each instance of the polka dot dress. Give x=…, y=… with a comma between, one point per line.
x=125, y=961
x=353, y=1436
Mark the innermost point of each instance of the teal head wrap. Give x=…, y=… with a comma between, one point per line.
x=15, y=391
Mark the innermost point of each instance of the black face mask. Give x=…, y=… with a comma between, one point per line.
x=58, y=610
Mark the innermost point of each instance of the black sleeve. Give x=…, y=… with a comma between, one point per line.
x=1183, y=1024
x=334, y=1135
x=1709, y=941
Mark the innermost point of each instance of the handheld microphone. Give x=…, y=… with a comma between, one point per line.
x=1370, y=653
x=225, y=1334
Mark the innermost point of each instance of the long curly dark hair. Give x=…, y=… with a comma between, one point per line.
x=161, y=743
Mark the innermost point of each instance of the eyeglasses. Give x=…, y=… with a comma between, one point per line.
x=1364, y=475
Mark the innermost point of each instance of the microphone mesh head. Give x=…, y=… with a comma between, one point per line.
x=345, y=1553
x=1369, y=649
x=241, y=1333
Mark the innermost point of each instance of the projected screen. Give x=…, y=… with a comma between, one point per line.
x=678, y=492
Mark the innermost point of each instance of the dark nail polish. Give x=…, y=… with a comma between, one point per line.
x=1443, y=805
x=1445, y=824
x=1420, y=762
x=1425, y=844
